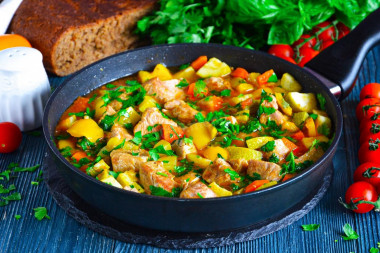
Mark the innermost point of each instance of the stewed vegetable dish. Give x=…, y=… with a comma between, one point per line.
x=202, y=130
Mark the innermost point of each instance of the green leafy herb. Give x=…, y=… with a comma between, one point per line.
x=310, y=227
x=324, y=129
x=350, y=234
x=41, y=213
x=17, y=216
x=200, y=195
x=274, y=158
x=184, y=66
x=182, y=84
x=322, y=101
x=137, y=138
x=13, y=197
x=273, y=78
x=3, y=190
x=159, y=191
x=161, y=174
x=199, y=89
x=154, y=153
x=374, y=250
x=269, y=146
x=199, y=117
x=313, y=116
x=233, y=174
x=28, y=169
x=225, y=93
x=35, y=183
x=5, y=174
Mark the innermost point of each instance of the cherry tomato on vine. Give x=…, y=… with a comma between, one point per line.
x=367, y=107
x=368, y=125
x=311, y=42
x=326, y=43
x=367, y=136
x=343, y=30
x=306, y=54
x=371, y=90
x=328, y=33
x=368, y=172
x=361, y=191
x=281, y=50
x=10, y=137
x=369, y=151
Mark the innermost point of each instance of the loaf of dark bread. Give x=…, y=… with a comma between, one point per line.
x=74, y=33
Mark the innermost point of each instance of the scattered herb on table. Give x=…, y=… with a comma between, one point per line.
x=17, y=216
x=350, y=234
x=310, y=227
x=41, y=213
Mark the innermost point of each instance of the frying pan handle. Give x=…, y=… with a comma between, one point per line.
x=340, y=63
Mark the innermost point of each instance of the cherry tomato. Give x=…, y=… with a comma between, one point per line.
x=309, y=44
x=328, y=34
x=291, y=60
x=368, y=125
x=326, y=43
x=10, y=137
x=371, y=90
x=281, y=50
x=367, y=106
x=368, y=172
x=366, y=136
x=306, y=54
x=369, y=151
x=361, y=191
x=378, y=189
x=343, y=30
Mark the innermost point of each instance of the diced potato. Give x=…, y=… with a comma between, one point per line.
x=285, y=107
x=128, y=178
x=214, y=67
x=271, y=183
x=302, y=102
x=258, y=142
x=290, y=126
x=237, y=100
x=244, y=153
x=319, y=112
x=165, y=144
x=202, y=132
x=113, y=142
x=103, y=175
x=128, y=116
x=98, y=168
x=169, y=162
x=187, y=73
x=244, y=88
x=198, y=160
x=65, y=143
x=148, y=102
x=252, y=77
x=279, y=90
x=87, y=128
x=212, y=153
x=308, y=141
x=236, y=81
x=323, y=125
x=100, y=109
x=257, y=93
x=159, y=71
x=299, y=118
x=289, y=83
x=111, y=181
x=309, y=127
x=219, y=191
x=130, y=146
x=242, y=116
x=65, y=124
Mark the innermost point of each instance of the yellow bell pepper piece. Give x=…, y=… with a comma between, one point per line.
x=65, y=124
x=236, y=81
x=165, y=144
x=242, y=117
x=128, y=178
x=214, y=67
x=65, y=143
x=308, y=141
x=258, y=142
x=239, y=99
x=87, y=128
x=169, y=162
x=128, y=116
x=257, y=93
x=99, y=107
x=219, y=191
x=202, y=132
x=198, y=160
x=244, y=153
x=187, y=73
x=212, y=153
x=160, y=71
x=289, y=126
x=244, y=88
x=98, y=168
x=148, y=102
x=285, y=107
x=252, y=77
x=310, y=128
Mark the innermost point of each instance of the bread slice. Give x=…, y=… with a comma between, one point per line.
x=74, y=33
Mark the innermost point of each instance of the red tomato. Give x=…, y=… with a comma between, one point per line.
x=291, y=60
x=10, y=137
x=306, y=54
x=326, y=44
x=343, y=30
x=378, y=189
x=368, y=125
x=366, y=136
x=369, y=151
x=328, y=33
x=368, y=172
x=371, y=90
x=367, y=106
x=309, y=44
x=281, y=51
x=361, y=191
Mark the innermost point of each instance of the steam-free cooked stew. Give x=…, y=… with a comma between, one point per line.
x=203, y=130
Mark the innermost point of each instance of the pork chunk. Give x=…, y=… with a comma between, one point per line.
x=217, y=173
x=181, y=148
x=153, y=173
x=164, y=91
x=152, y=116
x=239, y=165
x=267, y=170
x=181, y=110
x=280, y=150
x=217, y=83
x=123, y=160
x=197, y=190
x=119, y=132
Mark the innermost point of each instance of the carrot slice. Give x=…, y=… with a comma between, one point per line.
x=288, y=176
x=198, y=63
x=255, y=184
x=79, y=155
x=290, y=145
x=79, y=105
x=240, y=72
x=264, y=77
x=246, y=103
x=171, y=133
x=298, y=135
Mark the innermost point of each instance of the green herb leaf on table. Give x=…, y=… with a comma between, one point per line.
x=310, y=227
x=350, y=234
x=27, y=169
x=374, y=250
x=5, y=190
x=17, y=216
x=41, y=213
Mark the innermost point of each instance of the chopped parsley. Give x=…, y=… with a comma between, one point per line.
x=350, y=234
x=273, y=78
x=269, y=146
x=274, y=158
x=200, y=195
x=137, y=138
x=41, y=213
x=161, y=174
x=154, y=153
x=3, y=190
x=17, y=216
x=322, y=101
x=13, y=197
x=233, y=174
x=182, y=84
x=28, y=169
x=199, y=117
x=159, y=191
x=310, y=227
x=225, y=93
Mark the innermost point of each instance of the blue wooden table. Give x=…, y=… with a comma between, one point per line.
x=63, y=234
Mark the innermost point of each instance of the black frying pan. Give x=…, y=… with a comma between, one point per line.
x=335, y=67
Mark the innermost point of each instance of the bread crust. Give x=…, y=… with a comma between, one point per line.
x=74, y=33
